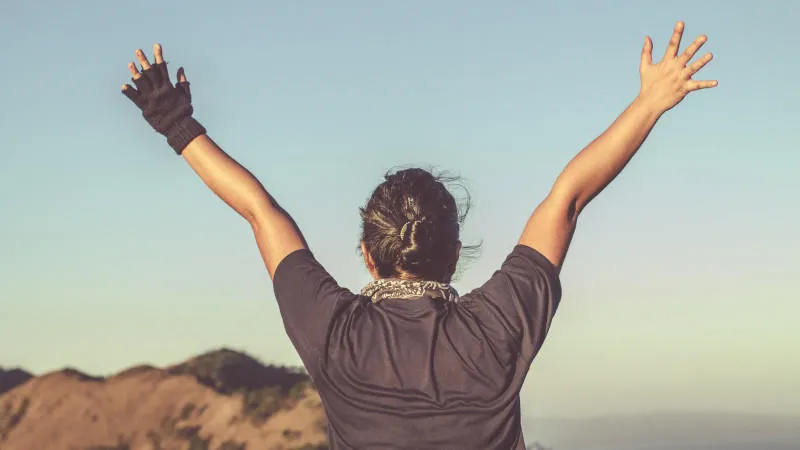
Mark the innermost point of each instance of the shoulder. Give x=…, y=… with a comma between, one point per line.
x=301, y=271
x=305, y=289
x=524, y=265
x=299, y=258
x=514, y=308
x=527, y=257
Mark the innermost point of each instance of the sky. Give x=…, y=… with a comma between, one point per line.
x=680, y=288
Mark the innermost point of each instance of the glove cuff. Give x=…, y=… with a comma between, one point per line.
x=183, y=132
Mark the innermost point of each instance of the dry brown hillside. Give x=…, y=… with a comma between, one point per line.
x=222, y=400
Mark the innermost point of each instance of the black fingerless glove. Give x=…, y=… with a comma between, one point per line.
x=167, y=108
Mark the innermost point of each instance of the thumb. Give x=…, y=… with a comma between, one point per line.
x=647, y=52
x=183, y=83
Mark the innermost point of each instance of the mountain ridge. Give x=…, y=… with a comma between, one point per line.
x=218, y=400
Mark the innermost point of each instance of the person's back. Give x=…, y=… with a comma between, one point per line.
x=434, y=371
x=407, y=363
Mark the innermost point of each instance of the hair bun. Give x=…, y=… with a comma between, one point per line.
x=410, y=225
x=410, y=231
x=419, y=242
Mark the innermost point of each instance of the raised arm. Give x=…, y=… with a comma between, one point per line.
x=276, y=233
x=663, y=85
x=168, y=110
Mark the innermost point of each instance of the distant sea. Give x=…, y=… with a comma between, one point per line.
x=668, y=431
x=689, y=446
x=750, y=446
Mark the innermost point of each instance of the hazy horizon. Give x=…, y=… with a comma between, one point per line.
x=529, y=417
x=680, y=289
x=665, y=430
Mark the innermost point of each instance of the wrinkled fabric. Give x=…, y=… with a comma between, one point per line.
x=423, y=373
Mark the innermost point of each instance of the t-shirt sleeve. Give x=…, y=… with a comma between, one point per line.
x=515, y=307
x=308, y=298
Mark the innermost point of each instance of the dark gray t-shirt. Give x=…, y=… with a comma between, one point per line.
x=422, y=373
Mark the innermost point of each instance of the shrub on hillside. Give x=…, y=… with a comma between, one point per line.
x=10, y=416
x=9, y=379
x=259, y=404
x=227, y=371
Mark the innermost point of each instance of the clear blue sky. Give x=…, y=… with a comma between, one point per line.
x=681, y=288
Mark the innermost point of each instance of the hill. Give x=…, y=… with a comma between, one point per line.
x=221, y=400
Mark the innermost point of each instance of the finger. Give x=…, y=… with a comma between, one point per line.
x=134, y=71
x=674, y=41
x=647, y=52
x=157, y=53
x=181, y=75
x=692, y=49
x=130, y=92
x=142, y=59
x=700, y=63
x=694, y=85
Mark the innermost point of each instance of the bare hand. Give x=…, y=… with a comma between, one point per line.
x=667, y=82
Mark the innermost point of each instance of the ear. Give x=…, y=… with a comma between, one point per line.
x=456, y=255
x=368, y=261
x=454, y=260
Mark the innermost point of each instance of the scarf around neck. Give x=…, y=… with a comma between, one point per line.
x=408, y=289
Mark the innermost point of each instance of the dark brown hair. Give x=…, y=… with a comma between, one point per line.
x=411, y=225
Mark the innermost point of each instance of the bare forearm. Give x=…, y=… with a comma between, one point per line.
x=232, y=183
x=276, y=233
x=168, y=110
x=591, y=170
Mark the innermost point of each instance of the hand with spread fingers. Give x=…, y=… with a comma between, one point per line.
x=166, y=107
x=667, y=82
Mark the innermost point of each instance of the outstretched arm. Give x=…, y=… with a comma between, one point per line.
x=168, y=109
x=663, y=85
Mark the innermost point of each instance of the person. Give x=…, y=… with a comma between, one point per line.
x=407, y=362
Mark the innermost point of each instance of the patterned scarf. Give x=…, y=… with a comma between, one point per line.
x=408, y=289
